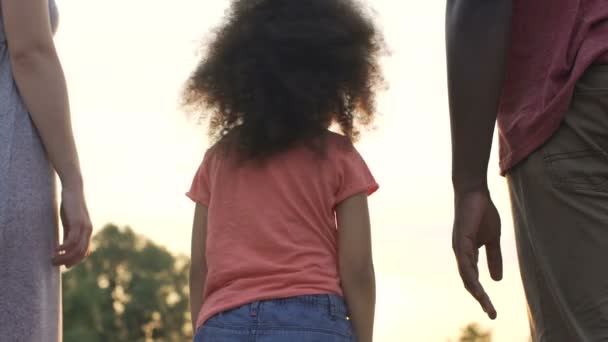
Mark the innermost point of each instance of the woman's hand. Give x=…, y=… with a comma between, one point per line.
x=77, y=228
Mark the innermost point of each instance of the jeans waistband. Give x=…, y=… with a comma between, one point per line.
x=335, y=305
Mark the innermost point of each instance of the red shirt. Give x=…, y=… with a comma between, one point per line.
x=553, y=42
x=271, y=229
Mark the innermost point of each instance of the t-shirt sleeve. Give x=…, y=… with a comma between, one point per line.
x=200, y=190
x=354, y=176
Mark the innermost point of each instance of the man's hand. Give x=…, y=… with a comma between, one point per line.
x=477, y=224
x=77, y=229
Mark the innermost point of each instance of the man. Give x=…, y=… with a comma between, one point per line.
x=534, y=67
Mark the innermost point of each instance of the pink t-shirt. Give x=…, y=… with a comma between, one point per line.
x=271, y=229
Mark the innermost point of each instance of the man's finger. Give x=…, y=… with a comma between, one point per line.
x=476, y=289
x=470, y=277
x=472, y=284
x=494, y=256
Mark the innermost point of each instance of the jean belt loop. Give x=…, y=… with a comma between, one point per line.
x=332, y=306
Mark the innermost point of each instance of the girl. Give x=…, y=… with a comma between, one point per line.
x=281, y=245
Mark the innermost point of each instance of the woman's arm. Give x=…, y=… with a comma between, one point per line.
x=198, y=263
x=40, y=79
x=356, y=266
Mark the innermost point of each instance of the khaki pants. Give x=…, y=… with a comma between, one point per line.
x=559, y=197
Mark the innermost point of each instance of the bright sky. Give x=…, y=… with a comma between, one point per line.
x=125, y=63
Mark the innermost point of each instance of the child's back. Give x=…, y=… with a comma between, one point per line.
x=281, y=230
x=272, y=227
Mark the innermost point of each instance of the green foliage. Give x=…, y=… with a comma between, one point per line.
x=474, y=333
x=129, y=289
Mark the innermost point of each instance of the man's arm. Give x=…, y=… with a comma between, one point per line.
x=477, y=33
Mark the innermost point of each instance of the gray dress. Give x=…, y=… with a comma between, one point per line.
x=30, y=299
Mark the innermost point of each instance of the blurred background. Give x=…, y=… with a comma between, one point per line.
x=126, y=62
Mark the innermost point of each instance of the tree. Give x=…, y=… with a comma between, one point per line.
x=128, y=289
x=474, y=333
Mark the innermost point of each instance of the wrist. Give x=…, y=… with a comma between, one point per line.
x=463, y=187
x=73, y=182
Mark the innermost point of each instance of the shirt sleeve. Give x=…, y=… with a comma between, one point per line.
x=200, y=190
x=354, y=176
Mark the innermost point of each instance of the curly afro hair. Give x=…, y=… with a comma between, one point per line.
x=281, y=72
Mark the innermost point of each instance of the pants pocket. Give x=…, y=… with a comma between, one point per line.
x=582, y=170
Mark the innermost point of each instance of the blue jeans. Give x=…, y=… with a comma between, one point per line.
x=316, y=318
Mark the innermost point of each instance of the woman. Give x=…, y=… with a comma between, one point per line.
x=35, y=140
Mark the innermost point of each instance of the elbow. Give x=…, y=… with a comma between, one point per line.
x=31, y=56
x=362, y=274
x=198, y=272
